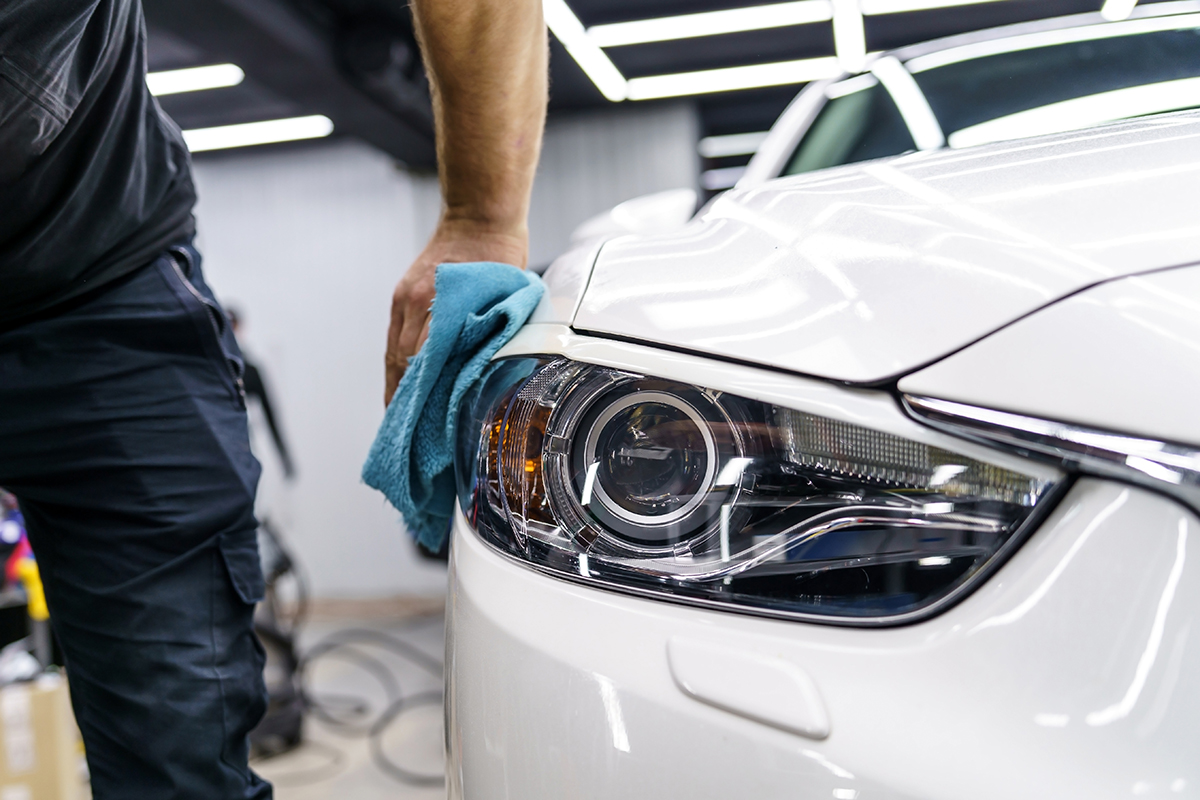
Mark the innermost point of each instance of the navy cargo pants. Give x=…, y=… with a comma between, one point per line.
x=123, y=435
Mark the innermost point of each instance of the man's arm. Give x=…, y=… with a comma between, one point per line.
x=487, y=65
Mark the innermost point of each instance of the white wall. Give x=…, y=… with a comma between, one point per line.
x=308, y=244
x=593, y=160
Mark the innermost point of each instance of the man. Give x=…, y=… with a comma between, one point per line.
x=122, y=415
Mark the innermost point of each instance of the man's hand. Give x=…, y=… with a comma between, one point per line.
x=487, y=67
x=454, y=242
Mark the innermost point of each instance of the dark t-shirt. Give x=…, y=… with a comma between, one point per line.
x=95, y=180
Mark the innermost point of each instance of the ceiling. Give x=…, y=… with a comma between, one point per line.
x=356, y=61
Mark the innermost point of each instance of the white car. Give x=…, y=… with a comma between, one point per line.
x=879, y=481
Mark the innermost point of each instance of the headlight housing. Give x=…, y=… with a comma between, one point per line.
x=658, y=487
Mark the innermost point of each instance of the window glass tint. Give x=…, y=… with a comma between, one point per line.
x=856, y=127
x=971, y=92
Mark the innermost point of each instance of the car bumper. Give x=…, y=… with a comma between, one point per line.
x=1066, y=675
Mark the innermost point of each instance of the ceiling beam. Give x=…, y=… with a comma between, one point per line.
x=278, y=49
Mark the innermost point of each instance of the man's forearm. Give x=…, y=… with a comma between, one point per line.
x=487, y=64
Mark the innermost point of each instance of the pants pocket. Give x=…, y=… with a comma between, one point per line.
x=239, y=550
x=210, y=320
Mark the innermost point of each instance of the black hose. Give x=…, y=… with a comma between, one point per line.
x=347, y=645
x=390, y=715
x=342, y=643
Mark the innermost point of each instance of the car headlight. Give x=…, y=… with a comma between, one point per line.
x=652, y=486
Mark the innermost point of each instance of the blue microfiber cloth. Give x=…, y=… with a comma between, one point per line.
x=477, y=308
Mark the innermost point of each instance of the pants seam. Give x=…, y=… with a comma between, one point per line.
x=212, y=630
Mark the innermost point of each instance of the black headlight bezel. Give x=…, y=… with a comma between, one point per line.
x=481, y=503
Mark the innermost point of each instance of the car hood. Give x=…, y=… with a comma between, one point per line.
x=866, y=272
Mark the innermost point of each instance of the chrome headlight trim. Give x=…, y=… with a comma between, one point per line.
x=1167, y=467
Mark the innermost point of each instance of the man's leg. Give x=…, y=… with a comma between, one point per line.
x=123, y=435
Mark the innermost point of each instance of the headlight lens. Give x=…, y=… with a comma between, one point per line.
x=653, y=486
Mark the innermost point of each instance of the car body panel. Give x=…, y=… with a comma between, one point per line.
x=1063, y=677
x=565, y=279
x=865, y=272
x=1121, y=356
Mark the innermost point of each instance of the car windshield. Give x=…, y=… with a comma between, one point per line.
x=858, y=126
x=1011, y=95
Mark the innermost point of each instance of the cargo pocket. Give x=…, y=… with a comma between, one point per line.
x=239, y=550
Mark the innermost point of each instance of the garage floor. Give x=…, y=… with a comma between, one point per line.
x=336, y=763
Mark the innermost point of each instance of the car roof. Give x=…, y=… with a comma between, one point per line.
x=785, y=133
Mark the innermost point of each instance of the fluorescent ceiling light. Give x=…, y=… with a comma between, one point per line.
x=1031, y=41
x=731, y=79
x=849, y=36
x=1114, y=10
x=1084, y=112
x=714, y=180
x=567, y=28
x=872, y=7
x=250, y=133
x=851, y=85
x=711, y=23
x=734, y=144
x=194, y=79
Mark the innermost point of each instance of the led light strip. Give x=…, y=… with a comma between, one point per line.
x=711, y=23
x=1113, y=10
x=194, y=79
x=849, y=35
x=1170, y=468
x=734, y=144
x=586, y=44
x=876, y=7
x=729, y=79
x=567, y=28
x=254, y=133
x=715, y=180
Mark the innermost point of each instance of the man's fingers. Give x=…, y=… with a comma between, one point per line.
x=409, y=326
x=424, y=332
x=416, y=320
x=393, y=372
x=394, y=361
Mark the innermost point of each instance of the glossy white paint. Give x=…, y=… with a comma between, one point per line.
x=1124, y=356
x=1066, y=676
x=755, y=685
x=565, y=280
x=865, y=272
x=652, y=213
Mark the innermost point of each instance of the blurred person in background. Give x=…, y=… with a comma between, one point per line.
x=122, y=402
